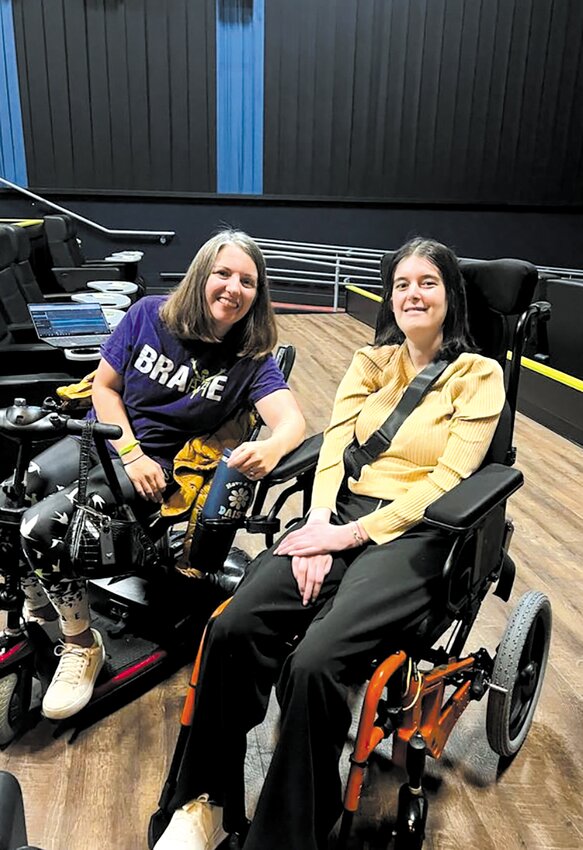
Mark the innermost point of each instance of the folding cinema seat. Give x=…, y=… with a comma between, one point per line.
x=71, y=268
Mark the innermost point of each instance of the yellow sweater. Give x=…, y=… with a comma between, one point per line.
x=444, y=439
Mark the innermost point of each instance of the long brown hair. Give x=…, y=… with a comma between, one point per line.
x=456, y=333
x=186, y=312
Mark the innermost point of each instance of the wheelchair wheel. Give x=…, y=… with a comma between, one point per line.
x=411, y=817
x=15, y=690
x=519, y=669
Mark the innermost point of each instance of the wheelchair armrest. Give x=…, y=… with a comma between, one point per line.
x=464, y=507
x=297, y=462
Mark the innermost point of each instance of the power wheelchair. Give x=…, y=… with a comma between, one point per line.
x=417, y=694
x=149, y=622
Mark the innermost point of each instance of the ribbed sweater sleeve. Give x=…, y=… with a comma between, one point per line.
x=443, y=441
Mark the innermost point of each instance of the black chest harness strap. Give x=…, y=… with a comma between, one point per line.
x=356, y=456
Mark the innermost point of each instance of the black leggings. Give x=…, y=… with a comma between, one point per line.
x=371, y=599
x=52, y=482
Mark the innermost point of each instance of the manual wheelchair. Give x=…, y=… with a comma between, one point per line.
x=419, y=691
x=149, y=622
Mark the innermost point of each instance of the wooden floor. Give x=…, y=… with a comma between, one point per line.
x=98, y=793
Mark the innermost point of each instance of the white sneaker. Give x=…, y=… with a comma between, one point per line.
x=74, y=679
x=198, y=825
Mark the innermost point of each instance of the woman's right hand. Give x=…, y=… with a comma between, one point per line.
x=147, y=476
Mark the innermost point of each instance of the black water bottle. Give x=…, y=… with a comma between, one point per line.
x=229, y=498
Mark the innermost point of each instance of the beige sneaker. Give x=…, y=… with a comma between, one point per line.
x=74, y=679
x=198, y=825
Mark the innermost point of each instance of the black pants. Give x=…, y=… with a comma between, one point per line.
x=370, y=599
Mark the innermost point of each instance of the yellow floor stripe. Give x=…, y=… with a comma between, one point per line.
x=372, y=295
x=549, y=372
x=533, y=365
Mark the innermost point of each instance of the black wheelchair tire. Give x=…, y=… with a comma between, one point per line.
x=409, y=831
x=519, y=668
x=15, y=690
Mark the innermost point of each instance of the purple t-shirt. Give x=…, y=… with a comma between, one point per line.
x=174, y=389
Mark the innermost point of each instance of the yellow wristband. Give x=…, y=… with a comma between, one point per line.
x=129, y=448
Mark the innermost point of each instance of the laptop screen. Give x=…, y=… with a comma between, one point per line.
x=57, y=320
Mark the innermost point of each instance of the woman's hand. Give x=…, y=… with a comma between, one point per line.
x=255, y=459
x=310, y=574
x=316, y=538
x=280, y=413
x=147, y=476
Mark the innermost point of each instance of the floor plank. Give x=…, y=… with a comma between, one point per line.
x=99, y=792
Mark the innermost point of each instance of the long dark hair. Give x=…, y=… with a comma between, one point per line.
x=456, y=333
x=186, y=312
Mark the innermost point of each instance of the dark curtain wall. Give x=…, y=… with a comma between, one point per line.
x=425, y=100
x=118, y=94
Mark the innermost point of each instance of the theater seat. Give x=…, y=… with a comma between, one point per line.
x=25, y=276
x=71, y=268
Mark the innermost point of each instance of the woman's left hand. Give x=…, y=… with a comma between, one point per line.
x=318, y=538
x=310, y=574
x=280, y=412
x=255, y=459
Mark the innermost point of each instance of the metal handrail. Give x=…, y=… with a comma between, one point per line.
x=561, y=274
x=354, y=265
x=164, y=236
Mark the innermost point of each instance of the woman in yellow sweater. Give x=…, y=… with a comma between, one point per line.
x=360, y=572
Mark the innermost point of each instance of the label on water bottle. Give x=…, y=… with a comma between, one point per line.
x=230, y=494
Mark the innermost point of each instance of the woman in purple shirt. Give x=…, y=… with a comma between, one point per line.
x=176, y=367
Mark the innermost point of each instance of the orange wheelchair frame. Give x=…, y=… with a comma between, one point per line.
x=422, y=718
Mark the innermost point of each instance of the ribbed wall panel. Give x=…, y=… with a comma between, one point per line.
x=452, y=101
x=425, y=100
x=118, y=94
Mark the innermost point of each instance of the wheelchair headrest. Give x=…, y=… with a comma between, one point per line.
x=495, y=290
x=59, y=228
x=8, y=246
x=505, y=286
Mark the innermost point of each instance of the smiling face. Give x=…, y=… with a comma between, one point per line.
x=231, y=288
x=419, y=299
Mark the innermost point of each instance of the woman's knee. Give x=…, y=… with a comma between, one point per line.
x=35, y=530
x=232, y=626
x=312, y=661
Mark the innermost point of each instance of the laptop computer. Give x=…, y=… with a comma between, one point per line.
x=71, y=325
